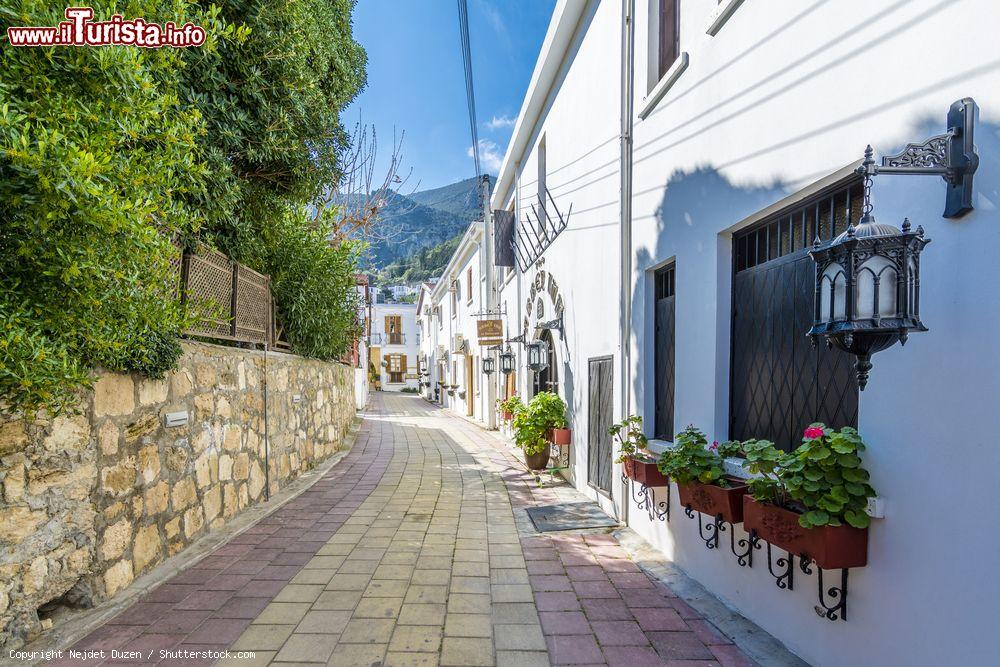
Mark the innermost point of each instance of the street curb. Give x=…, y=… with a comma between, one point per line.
x=80, y=624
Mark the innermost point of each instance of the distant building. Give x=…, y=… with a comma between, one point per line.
x=394, y=343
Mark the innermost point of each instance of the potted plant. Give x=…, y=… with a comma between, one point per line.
x=553, y=410
x=812, y=501
x=543, y=413
x=508, y=407
x=638, y=464
x=702, y=483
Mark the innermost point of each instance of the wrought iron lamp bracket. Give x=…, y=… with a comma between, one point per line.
x=645, y=499
x=554, y=325
x=951, y=155
x=517, y=339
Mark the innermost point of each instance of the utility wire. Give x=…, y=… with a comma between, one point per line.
x=470, y=95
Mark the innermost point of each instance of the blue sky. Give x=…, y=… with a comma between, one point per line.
x=416, y=81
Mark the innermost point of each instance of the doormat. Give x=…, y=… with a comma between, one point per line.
x=569, y=516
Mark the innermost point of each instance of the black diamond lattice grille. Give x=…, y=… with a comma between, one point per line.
x=780, y=383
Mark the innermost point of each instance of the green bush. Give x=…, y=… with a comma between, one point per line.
x=98, y=157
x=312, y=281
x=544, y=412
x=110, y=156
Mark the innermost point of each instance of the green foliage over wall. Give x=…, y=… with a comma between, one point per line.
x=110, y=155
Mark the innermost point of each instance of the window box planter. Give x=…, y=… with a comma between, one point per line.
x=715, y=500
x=539, y=461
x=830, y=547
x=644, y=471
x=560, y=436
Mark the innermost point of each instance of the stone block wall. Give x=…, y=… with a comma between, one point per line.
x=93, y=499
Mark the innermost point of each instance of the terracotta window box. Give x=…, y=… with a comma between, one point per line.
x=715, y=500
x=830, y=547
x=644, y=471
x=560, y=436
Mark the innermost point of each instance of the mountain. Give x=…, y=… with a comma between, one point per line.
x=421, y=230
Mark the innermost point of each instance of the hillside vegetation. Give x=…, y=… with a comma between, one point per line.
x=422, y=231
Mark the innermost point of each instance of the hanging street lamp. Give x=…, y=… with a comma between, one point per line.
x=868, y=284
x=489, y=365
x=538, y=356
x=507, y=361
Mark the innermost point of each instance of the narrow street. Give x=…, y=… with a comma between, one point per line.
x=410, y=552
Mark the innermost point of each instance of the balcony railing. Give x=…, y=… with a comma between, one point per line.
x=388, y=338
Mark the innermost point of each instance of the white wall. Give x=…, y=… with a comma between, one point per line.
x=582, y=111
x=784, y=94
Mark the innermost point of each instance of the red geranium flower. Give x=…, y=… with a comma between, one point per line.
x=813, y=432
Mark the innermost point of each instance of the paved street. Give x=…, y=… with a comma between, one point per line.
x=409, y=552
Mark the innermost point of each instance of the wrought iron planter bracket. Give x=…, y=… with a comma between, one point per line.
x=645, y=499
x=783, y=571
x=951, y=155
x=710, y=534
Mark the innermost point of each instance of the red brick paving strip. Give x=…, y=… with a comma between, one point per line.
x=598, y=608
x=208, y=606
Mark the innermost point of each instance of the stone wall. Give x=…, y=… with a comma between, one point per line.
x=93, y=499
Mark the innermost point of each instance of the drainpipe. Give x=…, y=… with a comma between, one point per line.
x=486, y=256
x=625, y=228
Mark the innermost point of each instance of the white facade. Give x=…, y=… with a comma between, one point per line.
x=395, y=345
x=447, y=316
x=767, y=105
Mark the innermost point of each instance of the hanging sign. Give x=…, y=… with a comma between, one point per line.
x=489, y=332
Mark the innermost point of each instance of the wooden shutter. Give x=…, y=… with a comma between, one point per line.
x=668, y=35
x=402, y=363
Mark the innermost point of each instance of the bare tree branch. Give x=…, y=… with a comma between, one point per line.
x=358, y=198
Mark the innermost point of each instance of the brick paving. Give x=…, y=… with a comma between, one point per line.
x=413, y=551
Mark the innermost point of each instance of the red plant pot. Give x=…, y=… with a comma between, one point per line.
x=831, y=547
x=507, y=415
x=560, y=436
x=644, y=472
x=715, y=500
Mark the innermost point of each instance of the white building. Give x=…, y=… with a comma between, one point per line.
x=394, y=343
x=401, y=291
x=447, y=315
x=734, y=131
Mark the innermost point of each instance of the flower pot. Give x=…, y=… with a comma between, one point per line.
x=507, y=415
x=831, y=547
x=644, y=472
x=715, y=500
x=539, y=461
x=560, y=436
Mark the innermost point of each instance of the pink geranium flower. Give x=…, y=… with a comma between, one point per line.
x=813, y=432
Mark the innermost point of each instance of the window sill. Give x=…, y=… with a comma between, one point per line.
x=665, y=84
x=721, y=14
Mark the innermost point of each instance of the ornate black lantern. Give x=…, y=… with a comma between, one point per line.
x=507, y=361
x=489, y=365
x=868, y=285
x=538, y=356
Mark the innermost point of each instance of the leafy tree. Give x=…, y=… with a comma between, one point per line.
x=110, y=155
x=98, y=154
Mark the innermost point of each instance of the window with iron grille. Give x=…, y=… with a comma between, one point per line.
x=669, y=34
x=779, y=382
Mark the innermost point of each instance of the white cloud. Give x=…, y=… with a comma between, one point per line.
x=499, y=122
x=490, y=155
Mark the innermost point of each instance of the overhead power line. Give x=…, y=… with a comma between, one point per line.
x=470, y=94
